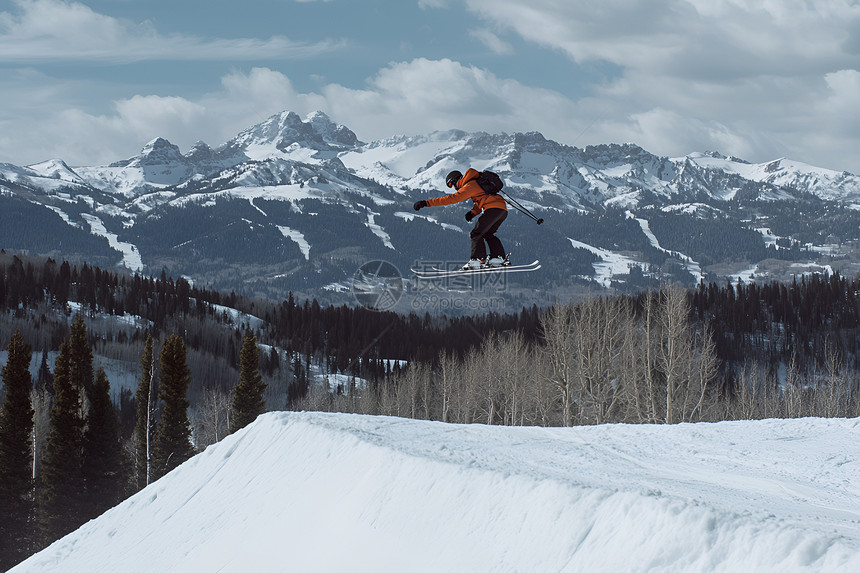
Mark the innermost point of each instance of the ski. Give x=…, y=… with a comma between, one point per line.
x=435, y=273
x=434, y=270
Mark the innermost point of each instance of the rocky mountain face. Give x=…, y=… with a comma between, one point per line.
x=300, y=205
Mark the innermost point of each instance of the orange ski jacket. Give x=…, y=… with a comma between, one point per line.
x=468, y=188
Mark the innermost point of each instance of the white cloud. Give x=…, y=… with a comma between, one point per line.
x=758, y=79
x=659, y=113
x=155, y=114
x=81, y=138
x=425, y=4
x=493, y=42
x=687, y=37
x=836, y=131
x=754, y=78
x=664, y=129
x=843, y=101
x=60, y=30
x=424, y=95
x=404, y=98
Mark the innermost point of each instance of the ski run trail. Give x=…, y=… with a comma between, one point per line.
x=340, y=492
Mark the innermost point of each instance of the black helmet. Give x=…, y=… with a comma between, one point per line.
x=452, y=178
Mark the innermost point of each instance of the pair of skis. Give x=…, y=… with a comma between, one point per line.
x=436, y=273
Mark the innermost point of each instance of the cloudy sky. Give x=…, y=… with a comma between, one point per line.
x=92, y=81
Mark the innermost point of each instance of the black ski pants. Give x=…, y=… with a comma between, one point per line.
x=485, y=230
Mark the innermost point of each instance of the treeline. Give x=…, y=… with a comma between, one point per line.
x=652, y=358
x=301, y=339
x=63, y=459
x=802, y=322
x=605, y=359
x=44, y=230
x=33, y=282
x=341, y=337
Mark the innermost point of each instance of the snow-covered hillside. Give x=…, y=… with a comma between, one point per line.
x=297, y=205
x=325, y=492
x=825, y=183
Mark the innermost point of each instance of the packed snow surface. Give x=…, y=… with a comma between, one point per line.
x=337, y=492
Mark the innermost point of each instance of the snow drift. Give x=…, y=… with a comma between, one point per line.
x=330, y=492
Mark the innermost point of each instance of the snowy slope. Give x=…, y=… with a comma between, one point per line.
x=56, y=169
x=165, y=209
x=825, y=183
x=326, y=492
x=49, y=176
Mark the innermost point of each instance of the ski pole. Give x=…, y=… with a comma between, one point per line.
x=520, y=208
x=525, y=211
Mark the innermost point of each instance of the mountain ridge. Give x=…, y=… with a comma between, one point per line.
x=307, y=195
x=281, y=135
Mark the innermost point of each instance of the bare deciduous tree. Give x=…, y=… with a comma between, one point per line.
x=212, y=417
x=448, y=376
x=599, y=327
x=42, y=403
x=557, y=329
x=684, y=361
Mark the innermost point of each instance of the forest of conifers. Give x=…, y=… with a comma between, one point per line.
x=767, y=331
x=716, y=352
x=804, y=328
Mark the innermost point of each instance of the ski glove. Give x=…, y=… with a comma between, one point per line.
x=469, y=216
x=419, y=204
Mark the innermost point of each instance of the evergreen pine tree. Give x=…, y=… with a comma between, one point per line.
x=248, y=402
x=80, y=358
x=145, y=419
x=61, y=483
x=62, y=501
x=44, y=378
x=173, y=438
x=103, y=463
x=16, y=426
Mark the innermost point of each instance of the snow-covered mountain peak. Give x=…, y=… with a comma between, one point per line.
x=319, y=166
x=283, y=134
x=783, y=173
x=775, y=165
x=56, y=169
x=159, y=164
x=416, y=162
x=331, y=132
x=614, y=154
x=318, y=116
x=200, y=151
x=159, y=151
x=157, y=143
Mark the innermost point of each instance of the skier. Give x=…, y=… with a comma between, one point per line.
x=494, y=213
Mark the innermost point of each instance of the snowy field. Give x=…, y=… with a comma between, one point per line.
x=331, y=492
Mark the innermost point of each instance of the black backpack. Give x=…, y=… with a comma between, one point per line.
x=490, y=182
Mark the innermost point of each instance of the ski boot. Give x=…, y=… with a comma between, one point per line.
x=499, y=261
x=473, y=265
